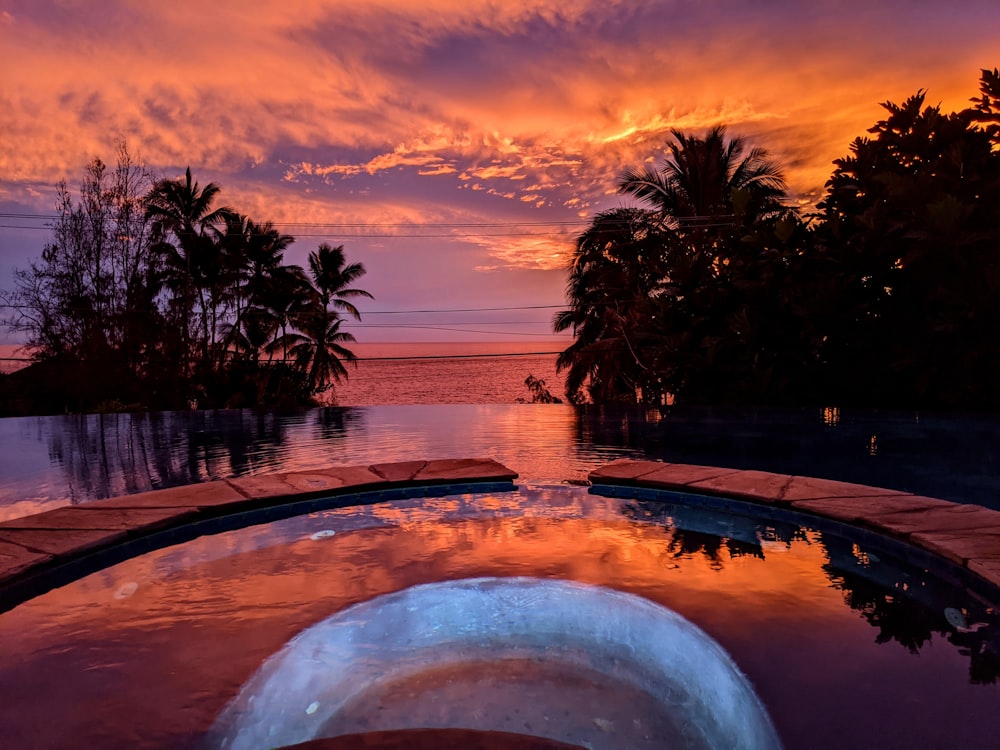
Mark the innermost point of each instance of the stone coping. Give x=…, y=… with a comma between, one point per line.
x=967, y=535
x=34, y=548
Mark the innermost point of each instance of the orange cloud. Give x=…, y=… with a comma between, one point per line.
x=385, y=108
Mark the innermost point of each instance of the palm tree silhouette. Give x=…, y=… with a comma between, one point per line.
x=317, y=348
x=616, y=269
x=332, y=276
x=708, y=184
x=193, y=262
x=645, y=282
x=254, y=254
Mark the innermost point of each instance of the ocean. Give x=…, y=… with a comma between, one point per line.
x=449, y=373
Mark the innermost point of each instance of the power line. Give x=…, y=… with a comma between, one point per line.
x=464, y=309
x=399, y=312
x=459, y=330
x=363, y=225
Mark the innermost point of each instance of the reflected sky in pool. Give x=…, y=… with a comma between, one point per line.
x=846, y=645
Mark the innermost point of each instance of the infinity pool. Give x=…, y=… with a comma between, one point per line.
x=832, y=637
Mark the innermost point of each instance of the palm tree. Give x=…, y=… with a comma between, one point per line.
x=332, y=277
x=254, y=254
x=317, y=347
x=707, y=184
x=617, y=267
x=285, y=294
x=193, y=261
x=318, y=351
x=651, y=289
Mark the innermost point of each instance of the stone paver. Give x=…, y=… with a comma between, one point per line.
x=681, y=475
x=762, y=486
x=335, y=478
x=189, y=496
x=15, y=559
x=961, y=547
x=988, y=569
x=625, y=469
x=261, y=486
x=940, y=520
x=807, y=488
x=404, y=471
x=459, y=469
x=864, y=509
x=96, y=517
x=63, y=542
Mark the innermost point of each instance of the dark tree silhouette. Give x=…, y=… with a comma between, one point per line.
x=909, y=241
x=683, y=296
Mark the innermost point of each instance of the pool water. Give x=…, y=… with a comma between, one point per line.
x=845, y=640
x=49, y=462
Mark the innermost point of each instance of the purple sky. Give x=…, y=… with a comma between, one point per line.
x=455, y=147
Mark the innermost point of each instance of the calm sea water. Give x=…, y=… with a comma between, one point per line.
x=449, y=373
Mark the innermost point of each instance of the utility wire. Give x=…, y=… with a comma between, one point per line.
x=460, y=330
x=397, y=312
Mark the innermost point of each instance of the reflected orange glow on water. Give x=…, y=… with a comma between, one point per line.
x=190, y=624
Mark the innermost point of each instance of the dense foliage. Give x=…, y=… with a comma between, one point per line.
x=714, y=290
x=150, y=295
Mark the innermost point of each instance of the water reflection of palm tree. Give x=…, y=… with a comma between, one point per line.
x=907, y=611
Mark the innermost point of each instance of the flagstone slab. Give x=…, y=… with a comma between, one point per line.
x=59, y=543
x=464, y=469
x=808, y=488
x=261, y=486
x=988, y=569
x=941, y=520
x=626, y=469
x=682, y=475
x=15, y=559
x=864, y=509
x=94, y=516
x=342, y=476
x=303, y=484
x=762, y=486
x=962, y=547
x=402, y=471
x=189, y=496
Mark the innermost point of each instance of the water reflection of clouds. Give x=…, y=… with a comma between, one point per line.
x=794, y=596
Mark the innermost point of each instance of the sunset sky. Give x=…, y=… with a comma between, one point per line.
x=455, y=147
